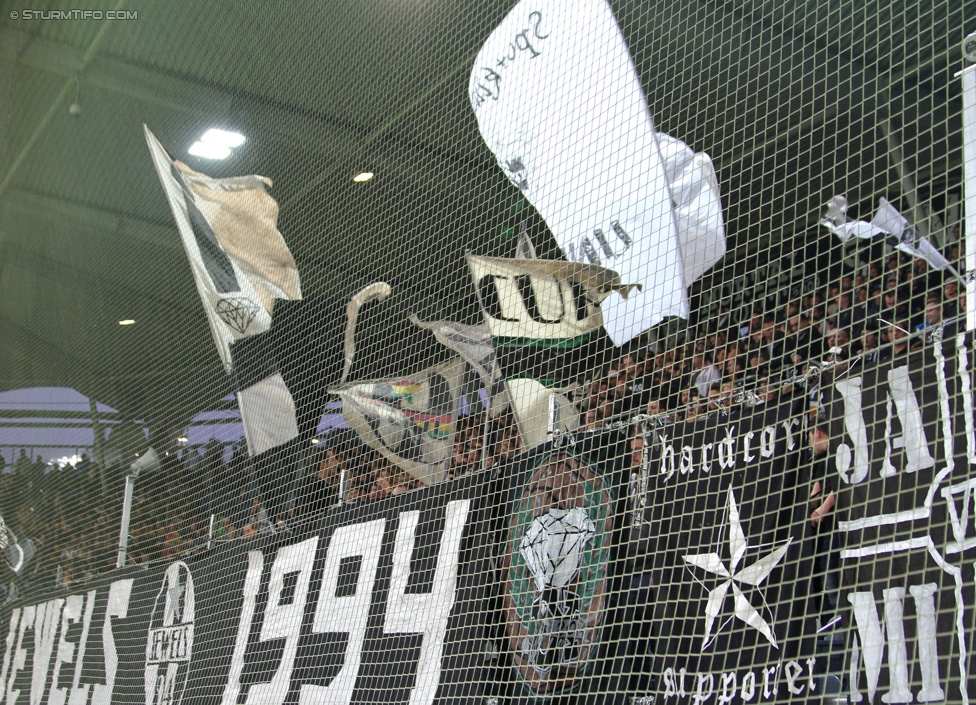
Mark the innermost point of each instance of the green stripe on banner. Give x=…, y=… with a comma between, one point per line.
x=559, y=343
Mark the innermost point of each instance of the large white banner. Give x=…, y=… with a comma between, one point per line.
x=559, y=103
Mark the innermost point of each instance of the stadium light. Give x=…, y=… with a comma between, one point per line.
x=223, y=138
x=209, y=151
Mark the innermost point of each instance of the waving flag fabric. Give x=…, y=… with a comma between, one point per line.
x=887, y=221
x=560, y=105
x=409, y=419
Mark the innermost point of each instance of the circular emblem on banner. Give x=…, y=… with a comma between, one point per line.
x=170, y=643
x=556, y=558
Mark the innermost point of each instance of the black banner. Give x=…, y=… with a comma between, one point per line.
x=382, y=602
x=723, y=546
x=902, y=451
x=557, y=554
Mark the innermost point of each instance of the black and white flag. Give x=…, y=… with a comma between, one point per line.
x=243, y=271
x=887, y=221
x=241, y=266
x=545, y=321
x=724, y=538
x=17, y=552
x=559, y=103
x=903, y=445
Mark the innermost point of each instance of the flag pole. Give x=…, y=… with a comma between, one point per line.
x=130, y=483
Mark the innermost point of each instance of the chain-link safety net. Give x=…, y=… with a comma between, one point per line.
x=492, y=352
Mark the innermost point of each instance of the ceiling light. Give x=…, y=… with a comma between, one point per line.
x=223, y=138
x=315, y=441
x=182, y=439
x=209, y=151
x=363, y=176
x=127, y=321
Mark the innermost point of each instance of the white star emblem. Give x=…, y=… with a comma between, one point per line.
x=752, y=575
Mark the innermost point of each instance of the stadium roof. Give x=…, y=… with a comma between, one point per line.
x=787, y=97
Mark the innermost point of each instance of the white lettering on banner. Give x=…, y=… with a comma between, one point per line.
x=870, y=643
x=425, y=613
x=252, y=583
x=960, y=519
x=283, y=619
x=169, y=640
x=725, y=686
x=702, y=459
x=66, y=649
x=850, y=391
x=7, y=651
x=118, y=606
x=903, y=402
x=928, y=655
x=768, y=442
x=348, y=613
x=45, y=628
x=79, y=691
x=20, y=653
x=913, y=440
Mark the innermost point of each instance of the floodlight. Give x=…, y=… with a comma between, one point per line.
x=209, y=151
x=223, y=138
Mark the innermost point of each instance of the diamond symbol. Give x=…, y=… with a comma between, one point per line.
x=237, y=312
x=552, y=548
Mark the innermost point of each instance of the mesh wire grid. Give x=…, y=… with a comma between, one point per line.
x=597, y=352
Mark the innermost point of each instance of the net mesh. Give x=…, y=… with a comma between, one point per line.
x=598, y=351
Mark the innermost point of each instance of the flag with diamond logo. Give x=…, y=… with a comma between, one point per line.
x=240, y=261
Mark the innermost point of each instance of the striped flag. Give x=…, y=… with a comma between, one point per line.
x=283, y=351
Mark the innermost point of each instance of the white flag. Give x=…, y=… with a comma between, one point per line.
x=887, y=221
x=240, y=264
x=409, y=419
x=17, y=553
x=473, y=343
x=539, y=411
x=697, y=206
x=836, y=220
x=559, y=103
x=909, y=240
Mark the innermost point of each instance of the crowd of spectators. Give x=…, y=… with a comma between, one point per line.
x=756, y=353
x=759, y=352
